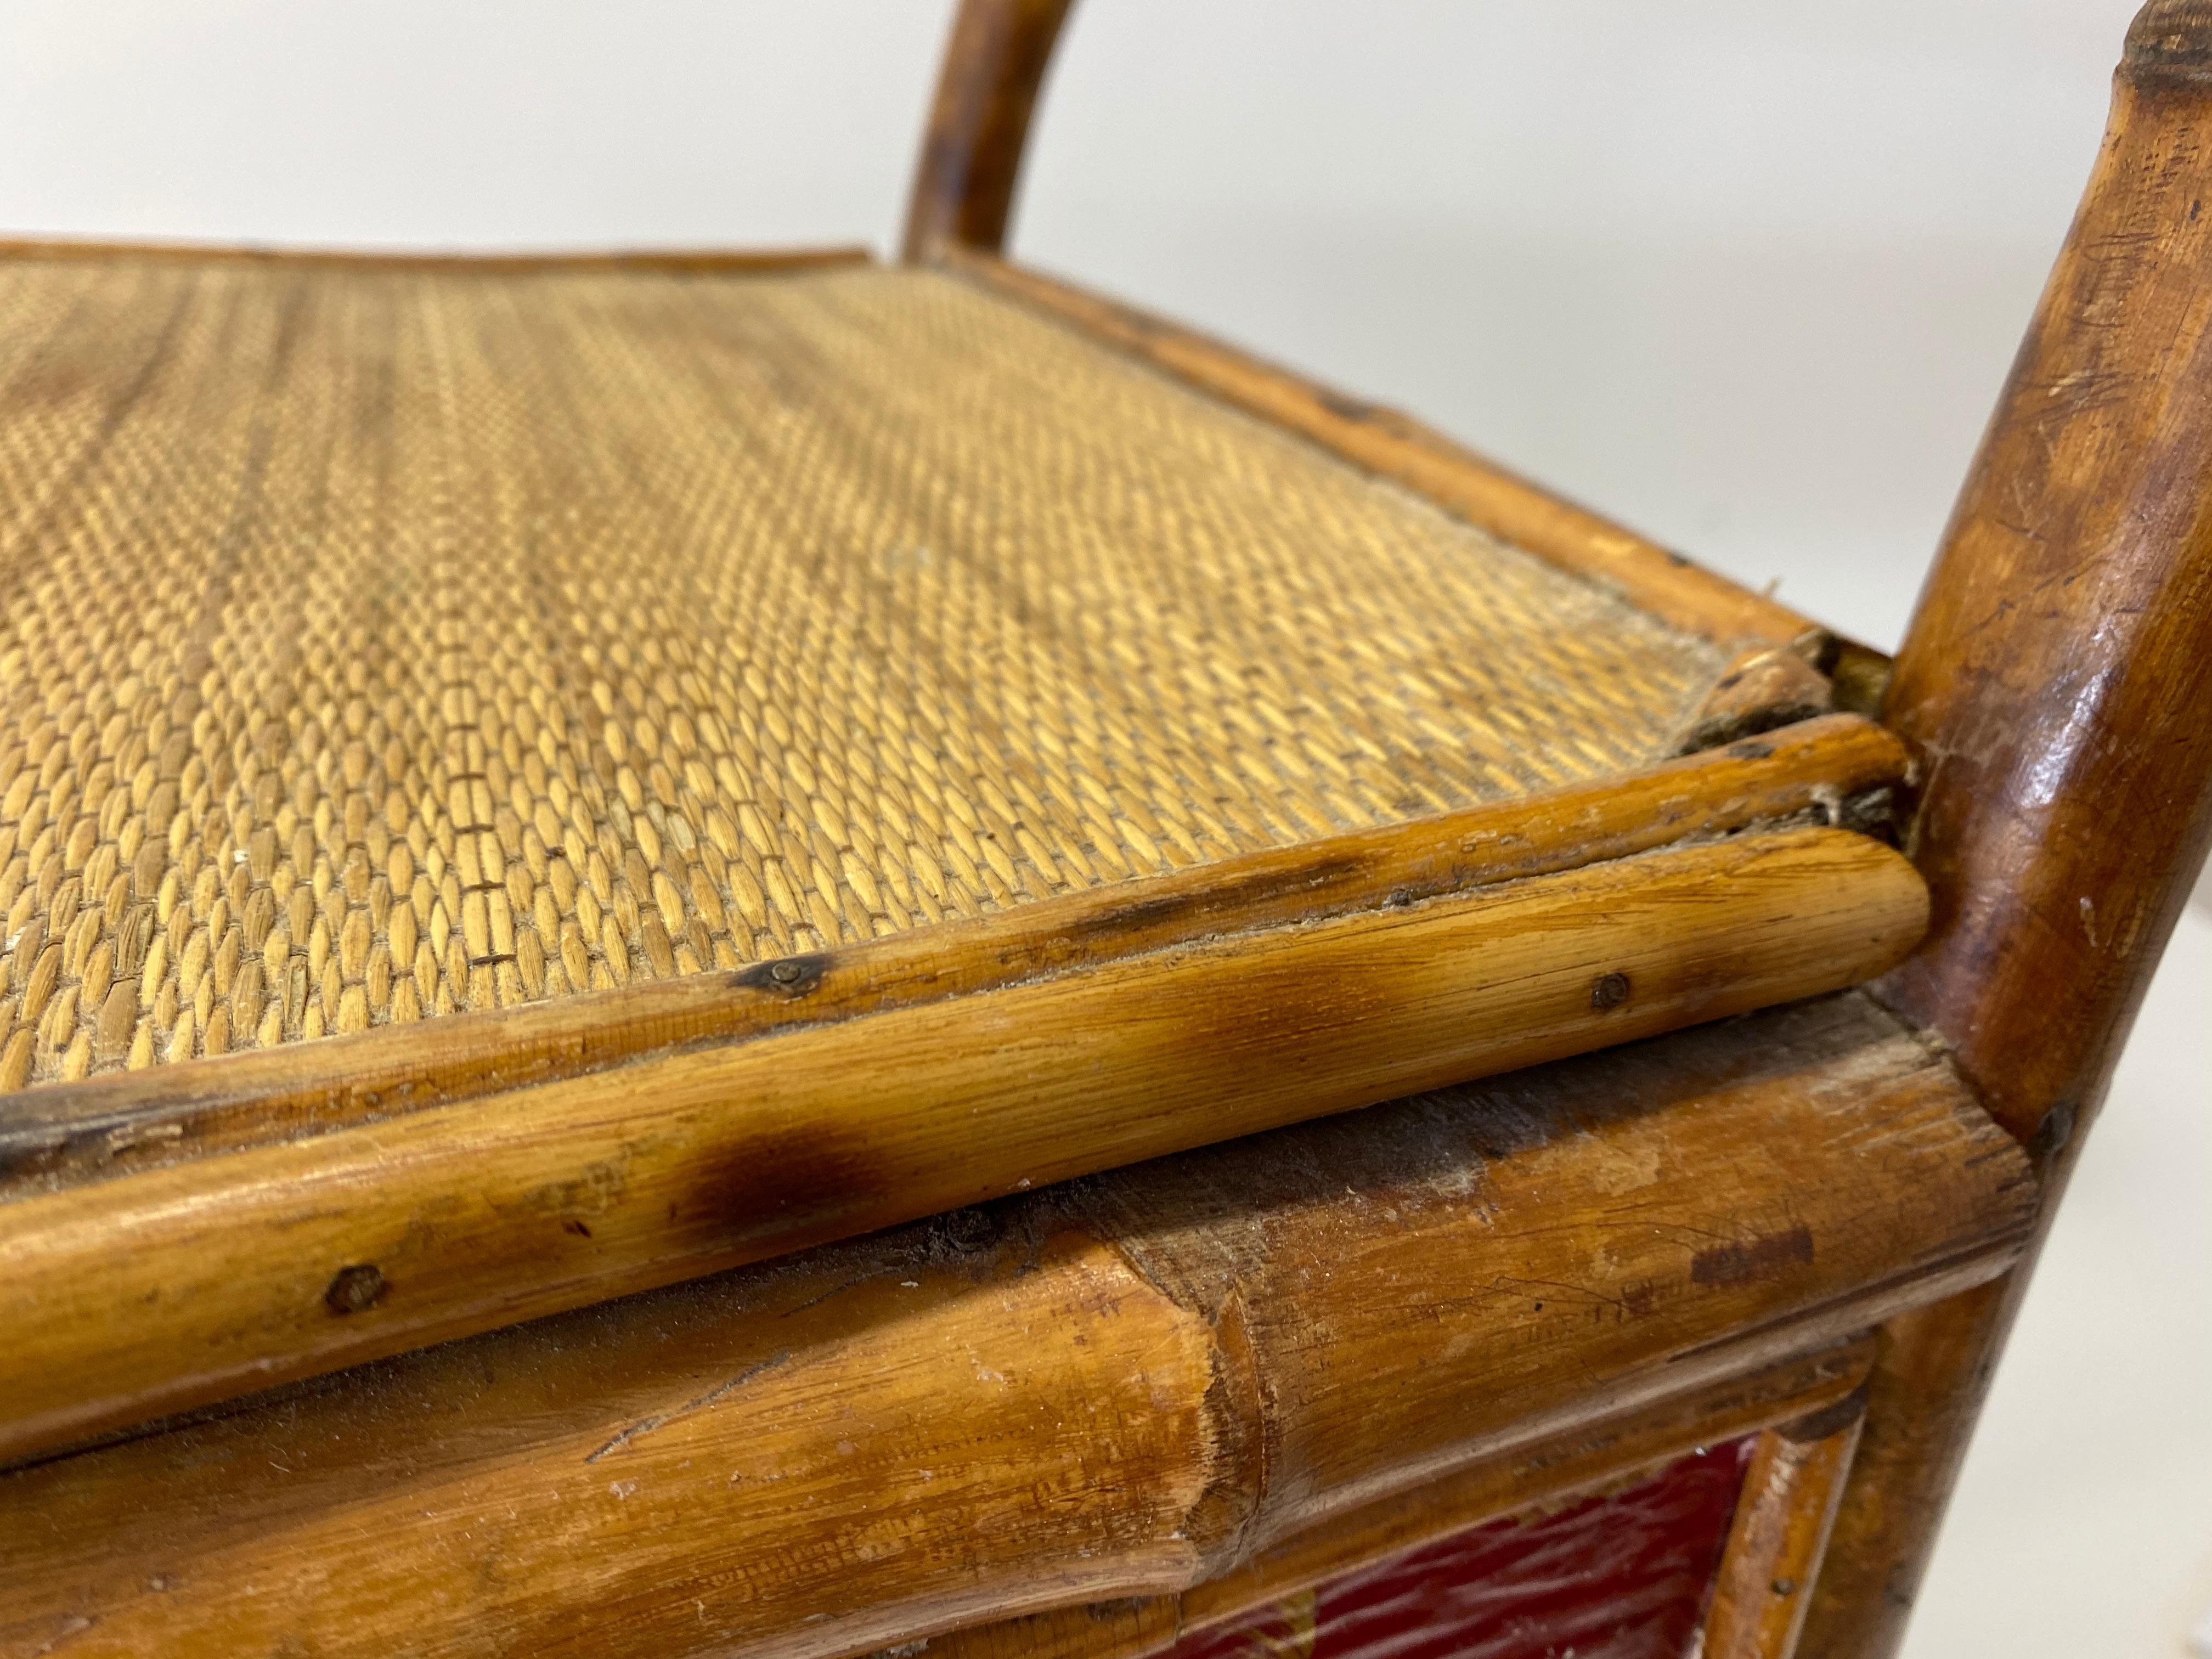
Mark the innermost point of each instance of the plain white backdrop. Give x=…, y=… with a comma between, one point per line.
x=1746, y=275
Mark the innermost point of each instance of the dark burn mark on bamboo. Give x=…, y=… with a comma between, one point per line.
x=1230, y=899
x=969, y=1230
x=787, y=977
x=1870, y=812
x=355, y=1288
x=783, y=1190
x=1756, y=1259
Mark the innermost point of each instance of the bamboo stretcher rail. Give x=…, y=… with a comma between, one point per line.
x=1126, y=1386
x=61, y=1135
x=1396, y=446
x=183, y=1284
x=897, y=1081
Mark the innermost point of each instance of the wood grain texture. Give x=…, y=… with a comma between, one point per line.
x=1787, y=1505
x=1130, y=1627
x=666, y=261
x=852, y=1436
x=986, y=91
x=1114, y=1388
x=1395, y=446
x=1590, y=1455
x=183, y=1284
x=2055, y=688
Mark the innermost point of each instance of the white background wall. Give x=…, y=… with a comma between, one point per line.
x=1745, y=275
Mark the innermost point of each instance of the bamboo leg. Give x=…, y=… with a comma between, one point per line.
x=2055, y=692
x=1926, y=1392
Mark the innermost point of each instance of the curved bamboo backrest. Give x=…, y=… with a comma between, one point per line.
x=971, y=157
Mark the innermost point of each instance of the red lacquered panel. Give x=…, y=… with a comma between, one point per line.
x=1620, y=1576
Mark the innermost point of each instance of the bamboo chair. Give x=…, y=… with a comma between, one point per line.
x=752, y=954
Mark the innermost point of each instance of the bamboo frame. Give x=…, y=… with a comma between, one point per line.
x=675, y=262
x=2035, y=728
x=987, y=90
x=513, y=1166
x=62, y=1136
x=177, y=1286
x=2032, y=724
x=2066, y=748
x=1193, y=1361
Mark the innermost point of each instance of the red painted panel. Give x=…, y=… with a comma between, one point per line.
x=1620, y=1576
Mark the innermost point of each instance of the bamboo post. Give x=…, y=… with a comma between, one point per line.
x=2056, y=691
x=972, y=160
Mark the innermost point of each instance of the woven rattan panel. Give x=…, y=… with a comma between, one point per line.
x=379, y=643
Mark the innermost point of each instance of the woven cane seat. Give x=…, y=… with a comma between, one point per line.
x=382, y=642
